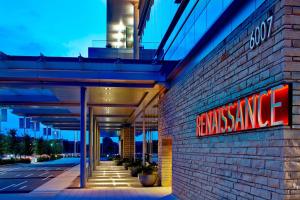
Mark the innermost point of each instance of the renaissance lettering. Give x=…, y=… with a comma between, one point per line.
x=265, y=109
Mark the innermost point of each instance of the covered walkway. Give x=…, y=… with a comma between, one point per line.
x=57, y=188
x=95, y=96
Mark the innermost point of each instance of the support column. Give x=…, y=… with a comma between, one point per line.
x=134, y=129
x=127, y=139
x=120, y=147
x=94, y=144
x=144, y=139
x=98, y=139
x=96, y=152
x=136, y=40
x=91, y=135
x=97, y=145
x=83, y=104
x=151, y=145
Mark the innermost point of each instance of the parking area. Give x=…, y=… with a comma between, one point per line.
x=23, y=178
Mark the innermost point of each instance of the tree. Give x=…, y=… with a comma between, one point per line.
x=39, y=146
x=109, y=147
x=13, y=143
x=3, y=145
x=27, y=145
x=56, y=146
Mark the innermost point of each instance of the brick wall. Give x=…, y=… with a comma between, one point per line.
x=165, y=159
x=257, y=164
x=127, y=135
x=291, y=35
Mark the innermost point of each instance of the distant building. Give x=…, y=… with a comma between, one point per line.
x=120, y=42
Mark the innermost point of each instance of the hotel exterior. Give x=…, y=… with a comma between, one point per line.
x=218, y=79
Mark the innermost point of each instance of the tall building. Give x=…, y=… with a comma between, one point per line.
x=122, y=40
x=120, y=24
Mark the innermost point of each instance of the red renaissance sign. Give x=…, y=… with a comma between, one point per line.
x=264, y=109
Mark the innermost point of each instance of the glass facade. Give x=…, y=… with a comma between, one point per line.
x=162, y=13
x=197, y=19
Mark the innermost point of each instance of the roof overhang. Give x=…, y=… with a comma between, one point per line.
x=47, y=89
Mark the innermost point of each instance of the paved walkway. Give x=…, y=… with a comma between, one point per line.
x=60, y=182
x=154, y=193
x=107, y=175
x=110, y=190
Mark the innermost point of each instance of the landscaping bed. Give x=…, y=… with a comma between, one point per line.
x=15, y=160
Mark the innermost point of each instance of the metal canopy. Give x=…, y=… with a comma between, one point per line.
x=80, y=71
x=48, y=89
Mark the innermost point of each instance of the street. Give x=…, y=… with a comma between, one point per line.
x=23, y=178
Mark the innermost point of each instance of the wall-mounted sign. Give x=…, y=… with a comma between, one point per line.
x=261, y=33
x=264, y=109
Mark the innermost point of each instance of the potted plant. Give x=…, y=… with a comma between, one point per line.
x=135, y=168
x=149, y=175
x=126, y=163
x=118, y=160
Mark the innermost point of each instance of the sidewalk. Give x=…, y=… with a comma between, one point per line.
x=60, y=182
x=56, y=189
x=152, y=193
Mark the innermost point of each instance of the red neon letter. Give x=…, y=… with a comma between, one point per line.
x=274, y=105
x=231, y=117
x=239, y=116
x=250, y=112
x=259, y=118
x=224, y=119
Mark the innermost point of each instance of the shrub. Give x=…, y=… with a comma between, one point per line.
x=116, y=157
x=55, y=157
x=24, y=160
x=149, y=169
x=43, y=158
x=121, y=161
x=13, y=161
x=5, y=162
x=118, y=162
x=135, y=170
x=46, y=157
x=110, y=158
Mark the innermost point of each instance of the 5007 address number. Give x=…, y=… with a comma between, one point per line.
x=261, y=33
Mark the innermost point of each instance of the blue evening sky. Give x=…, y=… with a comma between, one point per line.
x=51, y=27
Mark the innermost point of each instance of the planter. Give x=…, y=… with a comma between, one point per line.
x=134, y=171
x=148, y=180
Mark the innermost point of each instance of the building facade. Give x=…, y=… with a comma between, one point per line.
x=240, y=48
x=221, y=87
